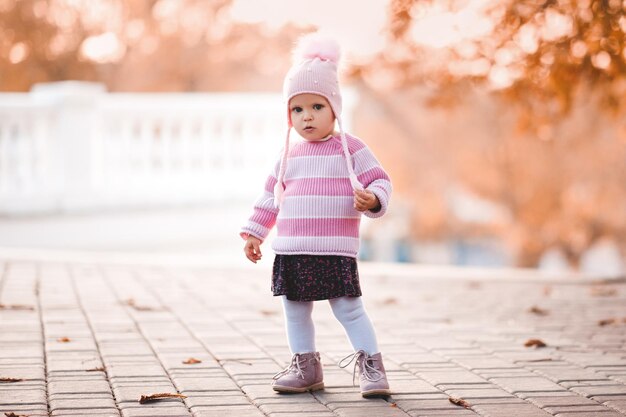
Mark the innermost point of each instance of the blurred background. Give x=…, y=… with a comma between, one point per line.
x=149, y=126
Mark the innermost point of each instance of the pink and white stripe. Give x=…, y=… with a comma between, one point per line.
x=317, y=215
x=311, y=206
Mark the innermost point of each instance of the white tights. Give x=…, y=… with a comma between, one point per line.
x=348, y=310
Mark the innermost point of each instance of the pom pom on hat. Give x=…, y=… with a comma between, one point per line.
x=316, y=45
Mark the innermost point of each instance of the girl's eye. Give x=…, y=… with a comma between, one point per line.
x=318, y=106
x=297, y=109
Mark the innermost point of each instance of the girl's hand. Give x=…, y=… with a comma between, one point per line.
x=252, y=249
x=365, y=200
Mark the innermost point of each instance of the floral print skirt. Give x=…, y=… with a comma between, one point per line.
x=315, y=277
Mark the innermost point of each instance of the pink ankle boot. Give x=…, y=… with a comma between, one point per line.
x=372, y=375
x=304, y=374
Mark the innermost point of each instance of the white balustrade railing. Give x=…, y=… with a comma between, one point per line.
x=25, y=154
x=71, y=146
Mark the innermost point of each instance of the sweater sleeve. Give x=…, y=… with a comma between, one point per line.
x=374, y=178
x=264, y=213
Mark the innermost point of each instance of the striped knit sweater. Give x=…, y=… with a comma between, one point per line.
x=317, y=215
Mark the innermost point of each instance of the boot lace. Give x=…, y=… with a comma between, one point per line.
x=367, y=370
x=294, y=367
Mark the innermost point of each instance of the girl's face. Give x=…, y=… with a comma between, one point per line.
x=311, y=116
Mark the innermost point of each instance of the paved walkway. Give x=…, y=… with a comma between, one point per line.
x=91, y=338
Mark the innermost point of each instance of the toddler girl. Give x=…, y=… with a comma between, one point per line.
x=315, y=196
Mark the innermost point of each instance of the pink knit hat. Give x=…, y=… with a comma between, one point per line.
x=314, y=71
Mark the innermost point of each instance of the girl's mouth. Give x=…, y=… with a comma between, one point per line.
x=309, y=129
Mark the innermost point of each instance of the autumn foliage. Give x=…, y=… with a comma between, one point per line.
x=528, y=114
x=154, y=45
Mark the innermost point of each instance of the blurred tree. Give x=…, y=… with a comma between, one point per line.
x=194, y=45
x=37, y=45
x=152, y=45
x=538, y=52
x=545, y=137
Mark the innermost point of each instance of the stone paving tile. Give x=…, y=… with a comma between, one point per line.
x=93, y=386
x=442, y=413
x=293, y=408
x=485, y=362
x=98, y=412
x=450, y=376
x=336, y=398
x=18, y=396
x=216, y=400
x=507, y=410
x=227, y=411
x=581, y=410
x=304, y=414
x=81, y=403
x=130, y=328
x=599, y=390
x=205, y=383
x=526, y=384
x=29, y=410
x=478, y=393
x=568, y=373
x=360, y=409
x=566, y=399
x=152, y=412
x=31, y=373
x=618, y=404
x=619, y=377
x=585, y=413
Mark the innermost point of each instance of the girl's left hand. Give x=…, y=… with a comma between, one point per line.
x=365, y=200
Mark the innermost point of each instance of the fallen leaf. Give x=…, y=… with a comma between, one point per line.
x=537, y=343
x=98, y=369
x=63, y=339
x=460, y=402
x=538, y=311
x=393, y=405
x=268, y=313
x=131, y=303
x=606, y=322
x=603, y=291
x=15, y=307
x=6, y=379
x=155, y=397
x=191, y=361
x=390, y=301
x=475, y=285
